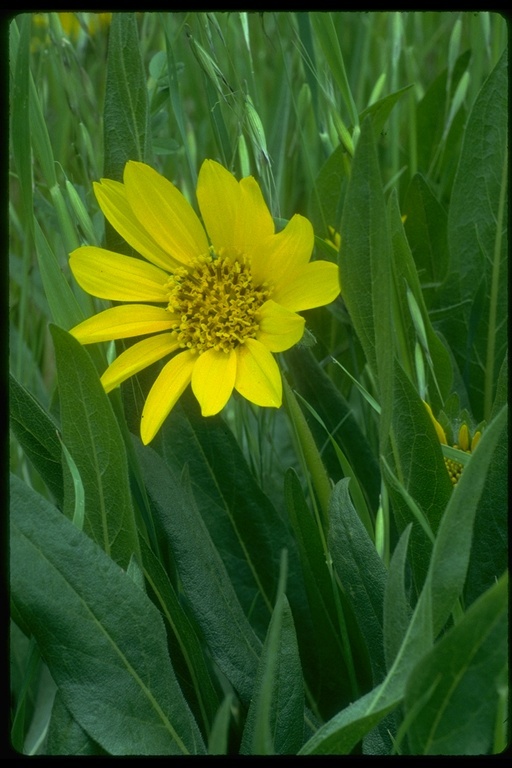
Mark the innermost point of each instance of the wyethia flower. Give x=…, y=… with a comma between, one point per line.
x=220, y=301
x=464, y=443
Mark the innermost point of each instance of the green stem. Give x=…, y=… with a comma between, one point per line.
x=321, y=482
x=493, y=304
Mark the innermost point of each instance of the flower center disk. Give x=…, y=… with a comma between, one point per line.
x=216, y=303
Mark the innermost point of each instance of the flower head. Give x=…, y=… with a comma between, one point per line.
x=220, y=298
x=464, y=443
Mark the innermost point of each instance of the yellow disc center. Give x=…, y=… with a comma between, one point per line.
x=216, y=303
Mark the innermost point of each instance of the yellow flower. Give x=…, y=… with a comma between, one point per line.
x=220, y=304
x=463, y=444
x=70, y=23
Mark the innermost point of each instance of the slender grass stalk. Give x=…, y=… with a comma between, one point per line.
x=312, y=457
x=493, y=304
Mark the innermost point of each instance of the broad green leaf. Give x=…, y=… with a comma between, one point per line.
x=443, y=585
x=209, y=591
x=380, y=110
x=476, y=286
x=24, y=673
x=462, y=673
x=36, y=432
x=218, y=741
x=326, y=673
x=275, y=720
x=327, y=193
x=101, y=637
x=126, y=126
x=451, y=551
x=244, y=525
x=396, y=608
x=184, y=642
x=426, y=228
x=361, y=573
x=66, y=736
x=432, y=110
x=364, y=261
x=93, y=438
x=319, y=391
x=340, y=735
x=417, y=462
x=490, y=547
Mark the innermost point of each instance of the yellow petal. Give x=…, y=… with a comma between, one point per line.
x=163, y=211
x=439, y=430
x=110, y=275
x=464, y=437
x=279, y=256
x=137, y=357
x=235, y=214
x=258, y=378
x=279, y=328
x=123, y=322
x=312, y=285
x=170, y=384
x=213, y=380
x=255, y=223
x=111, y=196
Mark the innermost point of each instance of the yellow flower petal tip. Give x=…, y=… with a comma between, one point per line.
x=223, y=297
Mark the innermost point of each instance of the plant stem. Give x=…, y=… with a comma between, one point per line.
x=321, y=482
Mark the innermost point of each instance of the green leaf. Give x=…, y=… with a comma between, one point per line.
x=380, y=110
x=126, y=99
x=126, y=110
x=93, y=438
x=326, y=672
x=490, y=547
x=36, y=432
x=325, y=34
x=244, y=525
x=326, y=196
x=211, y=596
x=364, y=263
x=63, y=305
x=396, y=608
x=417, y=462
x=218, y=741
x=476, y=287
x=443, y=585
x=463, y=673
x=66, y=736
x=342, y=732
x=451, y=552
x=411, y=320
x=360, y=571
x=185, y=644
x=275, y=720
x=336, y=413
x=426, y=228
x=101, y=637
x=501, y=388
x=20, y=111
x=431, y=112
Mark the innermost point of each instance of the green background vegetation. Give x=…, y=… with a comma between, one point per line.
x=223, y=590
